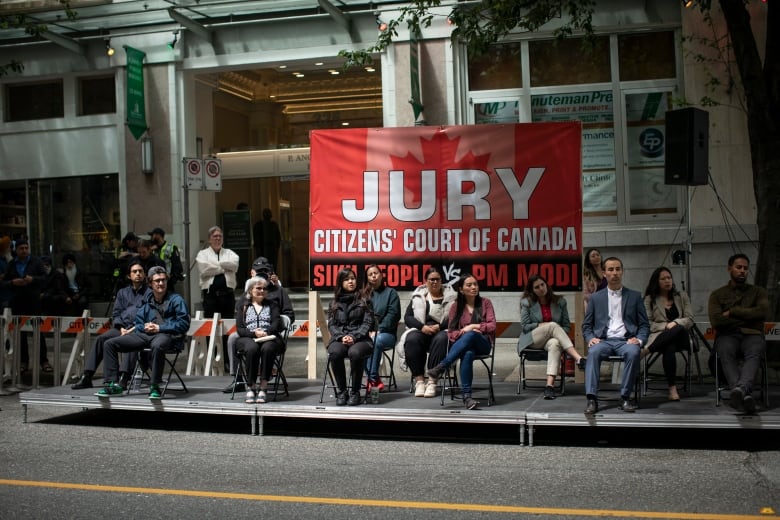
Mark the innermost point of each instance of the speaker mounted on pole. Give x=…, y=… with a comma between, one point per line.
x=687, y=147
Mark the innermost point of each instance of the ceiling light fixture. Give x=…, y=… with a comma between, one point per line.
x=172, y=43
x=688, y=3
x=382, y=26
x=109, y=49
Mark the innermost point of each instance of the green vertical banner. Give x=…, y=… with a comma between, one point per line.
x=136, y=107
x=414, y=72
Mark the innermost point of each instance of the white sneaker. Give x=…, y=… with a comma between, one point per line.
x=419, y=388
x=250, y=397
x=430, y=389
x=261, y=397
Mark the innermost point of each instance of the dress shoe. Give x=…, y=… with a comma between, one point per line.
x=627, y=406
x=240, y=387
x=592, y=408
x=737, y=397
x=748, y=404
x=84, y=382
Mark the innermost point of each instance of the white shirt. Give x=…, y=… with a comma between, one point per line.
x=210, y=263
x=616, y=328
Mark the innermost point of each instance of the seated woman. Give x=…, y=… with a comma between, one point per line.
x=671, y=317
x=472, y=332
x=257, y=319
x=350, y=321
x=426, y=319
x=546, y=325
x=387, y=312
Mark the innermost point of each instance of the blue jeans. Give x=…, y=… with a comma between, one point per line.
x=601, y=351
x=466, y=348
x=382, y=341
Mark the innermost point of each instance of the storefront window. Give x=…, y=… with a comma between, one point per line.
x=77, y=215
x=646, y=56
x=568, y=62
x=645, y=117
x=595, y=110
x=499, y=68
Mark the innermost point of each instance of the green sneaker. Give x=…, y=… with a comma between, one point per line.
x=154, y=392
x=110, y=389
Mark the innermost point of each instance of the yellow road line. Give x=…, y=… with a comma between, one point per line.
x=487, y=508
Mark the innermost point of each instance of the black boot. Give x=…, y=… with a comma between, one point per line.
x=84, y=382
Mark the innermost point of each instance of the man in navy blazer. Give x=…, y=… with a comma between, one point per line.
x=615, y=324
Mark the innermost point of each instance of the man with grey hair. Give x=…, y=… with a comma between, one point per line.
x=217, y=267
x=160, y=324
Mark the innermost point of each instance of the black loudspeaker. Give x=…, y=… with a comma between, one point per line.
x=687, y=146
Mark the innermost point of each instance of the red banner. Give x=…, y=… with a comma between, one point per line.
x=499, y=201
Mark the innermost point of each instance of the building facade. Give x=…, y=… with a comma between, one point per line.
x=246, y=81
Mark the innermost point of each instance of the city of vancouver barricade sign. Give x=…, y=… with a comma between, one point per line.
x=502, y=202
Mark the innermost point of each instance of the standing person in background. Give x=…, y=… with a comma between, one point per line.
x=217, y=267
x=169, y=254
x=122, y=255
x=145, y=255
x=671, y=317
x=26, y=278
x=387, y=312
x=592, y=274
x=71, y=286
x=5, y=259
x=267, y=237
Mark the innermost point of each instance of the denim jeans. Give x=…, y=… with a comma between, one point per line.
x=466, y=348
x=383, y=341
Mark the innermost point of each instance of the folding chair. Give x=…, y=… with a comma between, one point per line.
x=390, y=360
x=721, y=384
x=449, y=381
x=141, y=372
x=651, y=359
x=277, y=375
x=329, y=374
x=532, y=354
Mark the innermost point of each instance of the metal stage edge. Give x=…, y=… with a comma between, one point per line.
x=527, y=410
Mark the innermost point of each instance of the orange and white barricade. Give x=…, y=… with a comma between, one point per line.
x=94, y=326
x=203, y=334
x=8, y=365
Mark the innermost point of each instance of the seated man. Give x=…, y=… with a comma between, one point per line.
x=160, y=325
x=737, y=312
x=615, y=324
x=128, y=300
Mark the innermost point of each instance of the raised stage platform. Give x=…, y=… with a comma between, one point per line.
x=527, y=410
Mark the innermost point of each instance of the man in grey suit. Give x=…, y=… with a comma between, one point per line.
x=615, y=324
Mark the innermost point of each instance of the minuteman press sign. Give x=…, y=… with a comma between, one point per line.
x=502, y=202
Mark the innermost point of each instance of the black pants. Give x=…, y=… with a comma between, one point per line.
x=668, y=343
x=357, y=353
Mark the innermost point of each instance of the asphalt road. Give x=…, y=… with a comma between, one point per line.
x=110, y=464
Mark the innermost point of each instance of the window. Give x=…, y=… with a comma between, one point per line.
x=622, y=123
x=498, y=69
x=646, y=56
x=34, y=101
x=568, y=62
x=97, y=96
